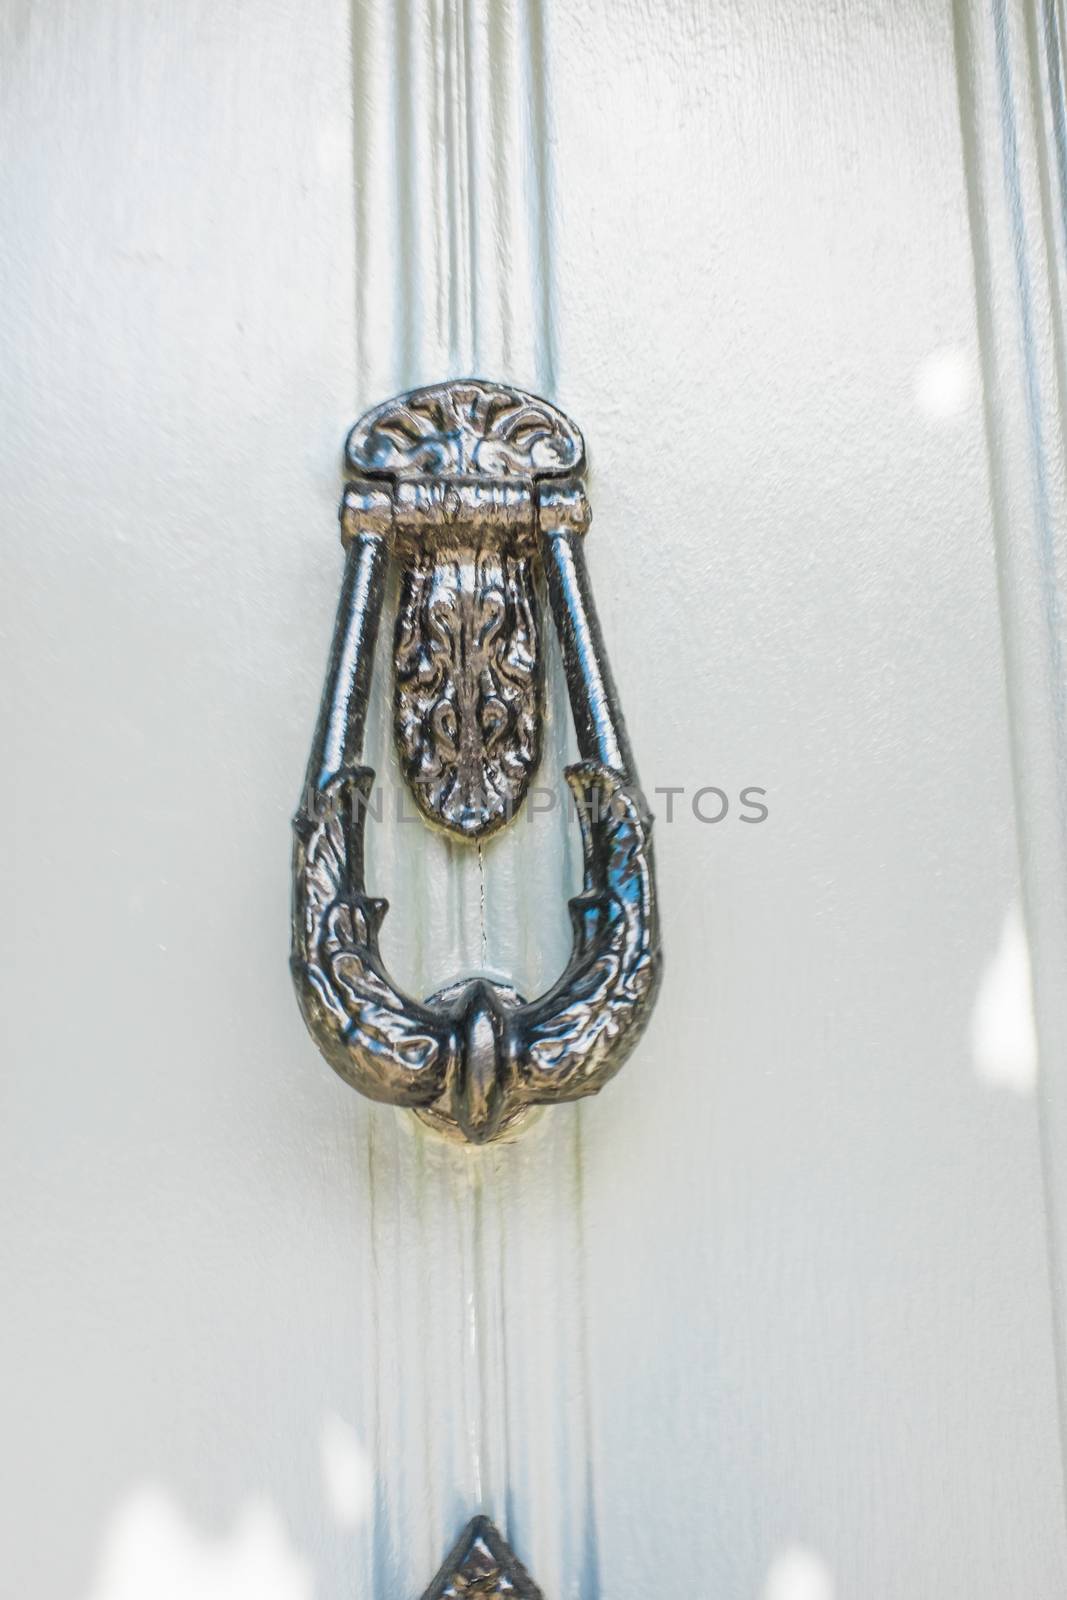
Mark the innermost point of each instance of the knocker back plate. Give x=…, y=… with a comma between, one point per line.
x=468, y=672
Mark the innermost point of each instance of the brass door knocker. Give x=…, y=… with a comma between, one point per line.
x=472, y=487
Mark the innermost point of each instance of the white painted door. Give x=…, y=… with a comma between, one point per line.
x=779, y=1314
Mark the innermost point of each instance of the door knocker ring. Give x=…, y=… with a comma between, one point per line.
x=470, y=486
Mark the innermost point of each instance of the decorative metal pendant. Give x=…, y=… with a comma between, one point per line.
x=471, y=485
x=482, y=1563
x=468, y=689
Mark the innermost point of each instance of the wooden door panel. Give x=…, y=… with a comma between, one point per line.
x=771, y=1316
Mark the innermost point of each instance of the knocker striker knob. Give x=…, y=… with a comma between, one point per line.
x=472, y=488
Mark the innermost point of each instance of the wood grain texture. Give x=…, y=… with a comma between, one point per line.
x=772, y=1316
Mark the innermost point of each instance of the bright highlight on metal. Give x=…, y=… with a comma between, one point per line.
x=471, y=487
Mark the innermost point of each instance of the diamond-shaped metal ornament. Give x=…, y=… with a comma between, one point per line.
x=482, y=1563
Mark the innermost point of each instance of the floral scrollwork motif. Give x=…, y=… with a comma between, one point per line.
x=463, y=459
x=468, y=686
x=580, y=1033
x=474, y=490
x=474, y=1059
x=368, y=1030
x=465, y=427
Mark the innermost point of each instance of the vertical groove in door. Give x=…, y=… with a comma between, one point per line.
x=475, y=1394
x=1010, y=78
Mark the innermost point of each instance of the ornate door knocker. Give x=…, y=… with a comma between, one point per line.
x=473, y=487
